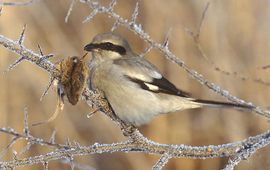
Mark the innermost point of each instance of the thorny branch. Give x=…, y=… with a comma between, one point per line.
x=136, y=142
x=137, y=145
x=29, y=55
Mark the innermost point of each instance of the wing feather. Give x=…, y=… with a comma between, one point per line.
x=147, y=76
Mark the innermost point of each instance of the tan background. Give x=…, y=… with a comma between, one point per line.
x=235, y=36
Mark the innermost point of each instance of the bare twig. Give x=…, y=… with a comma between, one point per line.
x=26, y=127
x=112, y=4
x=135, y=13
x=147, y=146
x=29, y=138
x=70, y=9
x=162, y=162
x=78, y=165
x=47, y=88
x=18, y=3
x=12, y=142
x=246, y=153
x=202, y=18
x=136, y=141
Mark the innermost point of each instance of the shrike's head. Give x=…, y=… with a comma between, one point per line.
x=108, y=46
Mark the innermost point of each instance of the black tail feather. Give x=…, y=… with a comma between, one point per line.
x=222, y=104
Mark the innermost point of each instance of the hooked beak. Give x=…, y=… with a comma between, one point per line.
x=90, y=47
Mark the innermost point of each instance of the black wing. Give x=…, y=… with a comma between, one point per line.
x=147, y=76
x=160, y=86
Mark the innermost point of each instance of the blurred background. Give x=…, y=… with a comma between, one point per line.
x=234, y=36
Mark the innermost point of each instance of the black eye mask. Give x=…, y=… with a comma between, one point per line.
x=106, y=46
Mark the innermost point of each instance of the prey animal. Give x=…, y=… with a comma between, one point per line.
x=71, y=83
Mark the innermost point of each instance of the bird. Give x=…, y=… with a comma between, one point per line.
x=135, y=88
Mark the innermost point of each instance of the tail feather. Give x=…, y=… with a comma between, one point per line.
x=222, y=104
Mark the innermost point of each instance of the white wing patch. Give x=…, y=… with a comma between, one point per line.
x=156, y=75
x=138, y=76
x=152, y=87
x=143, y=75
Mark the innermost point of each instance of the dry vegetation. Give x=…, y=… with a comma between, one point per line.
x=232, y=51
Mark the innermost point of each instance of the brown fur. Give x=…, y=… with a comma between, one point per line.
x=74, y=75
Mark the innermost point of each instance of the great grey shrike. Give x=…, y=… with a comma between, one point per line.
x=135, y=89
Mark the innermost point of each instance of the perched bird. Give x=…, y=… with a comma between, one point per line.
x=135, y=89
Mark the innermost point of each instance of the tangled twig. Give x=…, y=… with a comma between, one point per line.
x=135, y=142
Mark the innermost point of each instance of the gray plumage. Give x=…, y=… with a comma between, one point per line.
x=134, y=87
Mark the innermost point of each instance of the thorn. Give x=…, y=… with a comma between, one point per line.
x=40, y=50
x=52, y=138
x=43, y=57
x=202, y=18
x=77, y=144
x=92, y=113
x=26, y=127
x=163, y=160
x=26, y=148
x=21, y=39
x=112, y=4
x=47, y=88
x=12, y=66
x=166, y=41
x=72, y=165
x=14, y=153
x=4, y=151
x=70, y=10
x=68, y=143
x=147, y=50
x=135, y=13
x=115, y=26
x=46, y=165
x=91, y=16
x=47, y=56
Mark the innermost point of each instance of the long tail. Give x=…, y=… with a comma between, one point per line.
x=59, y=108
x=222, y=104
